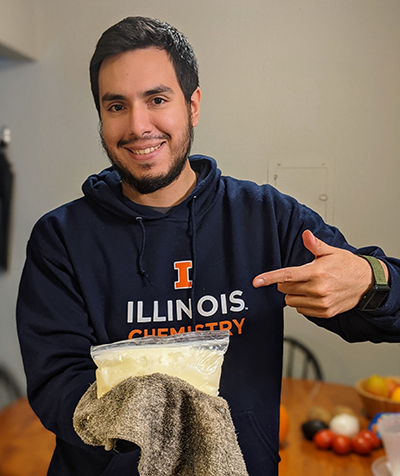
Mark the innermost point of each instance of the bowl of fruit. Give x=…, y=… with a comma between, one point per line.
x=379, y=394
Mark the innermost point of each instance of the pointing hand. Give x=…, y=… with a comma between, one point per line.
x=334, y=282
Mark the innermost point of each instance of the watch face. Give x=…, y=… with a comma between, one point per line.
x=374, y=297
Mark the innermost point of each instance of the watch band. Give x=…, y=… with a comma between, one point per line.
x=377, y=269
x=379, y=291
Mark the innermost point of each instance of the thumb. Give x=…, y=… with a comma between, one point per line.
x=316, y=246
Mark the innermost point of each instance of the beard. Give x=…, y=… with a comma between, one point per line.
x=151, y=183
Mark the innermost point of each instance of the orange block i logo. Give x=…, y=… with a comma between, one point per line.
x=182, y=267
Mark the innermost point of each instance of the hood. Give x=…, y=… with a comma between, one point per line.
x=105, y=189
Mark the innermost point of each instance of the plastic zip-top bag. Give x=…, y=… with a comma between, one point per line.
x=195, y=357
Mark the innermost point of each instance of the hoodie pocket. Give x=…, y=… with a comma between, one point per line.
x=260, y=454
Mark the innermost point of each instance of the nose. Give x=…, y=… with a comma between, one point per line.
x=140, y=121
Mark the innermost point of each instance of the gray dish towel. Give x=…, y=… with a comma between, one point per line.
x=180, y=430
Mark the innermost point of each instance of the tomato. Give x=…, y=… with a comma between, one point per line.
x=361, y=444
x=372, y=437
x=341, y=445
x=323, y=439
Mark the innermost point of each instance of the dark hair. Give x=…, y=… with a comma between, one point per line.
x=134, y=33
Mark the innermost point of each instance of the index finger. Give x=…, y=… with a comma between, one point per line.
x=294, y=274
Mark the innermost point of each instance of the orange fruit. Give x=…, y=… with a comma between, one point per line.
x=391, y=385
x=283, y=424
x=396, y=395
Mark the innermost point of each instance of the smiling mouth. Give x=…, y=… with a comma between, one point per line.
x=146, y=151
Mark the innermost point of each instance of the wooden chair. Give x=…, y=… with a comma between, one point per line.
x=299, y=361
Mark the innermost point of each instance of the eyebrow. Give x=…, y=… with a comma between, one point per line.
x=112, y=97
x=151, y=92
x=158, y=90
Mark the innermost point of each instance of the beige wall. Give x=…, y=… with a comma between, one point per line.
x=26, y=28
x=294, y=80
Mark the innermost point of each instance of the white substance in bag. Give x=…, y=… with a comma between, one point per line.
x=196, y=357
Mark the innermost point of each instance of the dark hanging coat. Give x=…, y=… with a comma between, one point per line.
x=6, y=181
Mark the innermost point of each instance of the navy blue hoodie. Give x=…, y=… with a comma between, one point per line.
x=102, y=269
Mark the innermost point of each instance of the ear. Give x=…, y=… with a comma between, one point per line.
x=195, y=106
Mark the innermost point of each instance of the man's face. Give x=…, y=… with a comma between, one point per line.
x=146, y=122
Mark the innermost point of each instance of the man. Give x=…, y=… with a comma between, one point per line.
x=162, y=244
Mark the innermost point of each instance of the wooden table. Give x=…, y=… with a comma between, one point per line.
x=26, y=447
x=299, y=456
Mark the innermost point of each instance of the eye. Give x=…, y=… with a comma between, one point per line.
x=115, y=108
x=157, y=101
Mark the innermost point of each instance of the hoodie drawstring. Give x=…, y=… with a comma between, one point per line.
x=142, y=271
x=192, y=226
x=194, y=256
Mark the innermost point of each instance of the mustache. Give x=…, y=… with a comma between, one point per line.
x=133, y=140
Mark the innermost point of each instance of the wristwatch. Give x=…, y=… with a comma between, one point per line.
x=380, y=289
